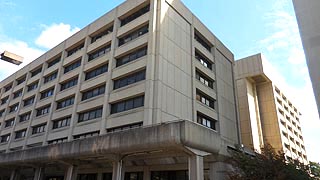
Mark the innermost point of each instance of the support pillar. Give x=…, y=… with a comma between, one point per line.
x=146, y=173
x=118, y=170
x=196, y=167
x=14, y=174
x=219, y=170
x=38, y=173
x=71, y=173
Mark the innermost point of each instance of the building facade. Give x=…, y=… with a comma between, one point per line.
x=266, y=114
x=309, y=25
x=144, y=92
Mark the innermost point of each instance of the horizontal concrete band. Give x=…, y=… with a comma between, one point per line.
x=173, y=135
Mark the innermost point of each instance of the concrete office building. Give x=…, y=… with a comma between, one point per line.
x=266, y=114
x=308, y=15
x=144, y=92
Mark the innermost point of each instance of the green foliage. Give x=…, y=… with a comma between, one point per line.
x=267, y=165
x=315, y=169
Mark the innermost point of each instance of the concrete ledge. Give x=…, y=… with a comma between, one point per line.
x=173, y=135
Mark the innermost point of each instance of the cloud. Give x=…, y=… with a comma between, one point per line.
x=284, y=50
x=6, y=4
x=54, y=34
x=296, y=56
x=51, y=36
x=18, y=47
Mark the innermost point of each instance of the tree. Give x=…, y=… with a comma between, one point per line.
x=267, y=165
x=315, y=169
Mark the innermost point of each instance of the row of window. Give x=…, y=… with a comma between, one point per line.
x=93, y=73
x=85, y=116
x=202, y=40
x=135, y=15
x=204, y=79
x=205, y=99
x=123, y=60
x=133, y=35
x=22, y=133
x=131, y=56
x=203, y=60
x=94, y=38
x=124, y=81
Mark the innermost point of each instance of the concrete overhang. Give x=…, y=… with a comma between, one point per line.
x=172, y=135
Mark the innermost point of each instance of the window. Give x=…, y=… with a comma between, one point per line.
x=284, y=97
x=98, y=36
x=63, y=122
x=72, y=66
x=9, y=123
x=93, y=92
x=43, y=110
x=75, y=49
x=35, y=145
x=7, y=87
x=205, y=99
x=50, y=77
x=169, y=175
x=25, y=117
x=5, y=138
x=54, y=61
x=133, y=78
x=17, y=94
x=86, y=135
x=32, y=86
x=204, y=79
x=47, y=93
x=132, y=56
x=28, y=101
x=87, y=177
x=135, y=15
x=65, y=102
x=131, y=36
x=107, y=176
x=21, y=80
x=203, y=60
x=4, y=100
x=96, y=72
x=36, y=71
x=204, y=42
x=100, y=52
x=2, y=112
x=127, y=104
x=206, y=121
x=125, y=127
x=133, y=176
x=14, y=108
x=57, y=141
x=21, y=134
x=39, y=128
x=68, y=84
x=91, y=114
x=16, y=148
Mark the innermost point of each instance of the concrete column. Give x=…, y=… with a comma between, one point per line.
x=71, y=173
x=14, y=174
x=118, y=170
x=196, y=167
x=38, y=173
x=99, y=176
x=146, y=173
x=218, y=170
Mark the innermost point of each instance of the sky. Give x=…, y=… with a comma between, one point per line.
x=246, y=27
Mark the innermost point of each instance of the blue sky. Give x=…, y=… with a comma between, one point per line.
x=246, y=27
